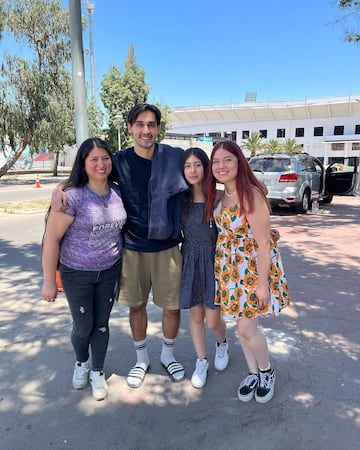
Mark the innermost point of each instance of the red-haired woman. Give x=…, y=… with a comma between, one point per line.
x=250, y=280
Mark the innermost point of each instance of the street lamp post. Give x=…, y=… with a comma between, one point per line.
x=90, y=10
x=119, y=137
x=119, y=117
x=78, y=72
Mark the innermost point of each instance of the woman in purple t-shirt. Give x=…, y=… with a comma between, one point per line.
x=86, y=239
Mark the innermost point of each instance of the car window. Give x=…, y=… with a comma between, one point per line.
x=271, y=164
x=310, y=166
x=318, y=167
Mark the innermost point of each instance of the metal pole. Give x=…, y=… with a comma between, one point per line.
x=90, y=9
x=119, y=137
x=78, y=72
x=119, y=117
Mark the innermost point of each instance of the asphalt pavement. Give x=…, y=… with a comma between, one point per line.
x=314, y=345
x=24, y=187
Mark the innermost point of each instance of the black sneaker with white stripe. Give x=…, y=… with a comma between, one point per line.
x=247, y=387
x=265, y=388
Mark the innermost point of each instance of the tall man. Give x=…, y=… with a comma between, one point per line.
x=151, y=183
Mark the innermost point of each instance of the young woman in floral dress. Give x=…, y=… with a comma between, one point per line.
x=250, y=280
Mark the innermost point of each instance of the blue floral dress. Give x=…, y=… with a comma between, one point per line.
x=236, y=269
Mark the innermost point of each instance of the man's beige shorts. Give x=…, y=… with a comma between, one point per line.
x=159, y=271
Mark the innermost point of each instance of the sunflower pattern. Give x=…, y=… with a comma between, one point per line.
x=236, y=269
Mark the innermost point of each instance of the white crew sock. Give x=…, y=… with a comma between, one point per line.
x=142, y=357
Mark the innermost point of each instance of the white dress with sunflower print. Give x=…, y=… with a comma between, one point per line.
x=236, y=269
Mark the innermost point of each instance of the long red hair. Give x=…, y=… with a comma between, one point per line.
x=245, y=181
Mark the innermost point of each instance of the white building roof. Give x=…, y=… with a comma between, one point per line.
x=324, y=107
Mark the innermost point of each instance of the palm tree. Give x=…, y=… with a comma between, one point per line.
x=291, y=146
x=273, y=146
x=253, y=143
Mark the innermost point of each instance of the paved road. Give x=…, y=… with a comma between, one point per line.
x=11, y=190
x=314, y=344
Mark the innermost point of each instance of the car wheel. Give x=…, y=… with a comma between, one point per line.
x=327, y=199
x=304, y=205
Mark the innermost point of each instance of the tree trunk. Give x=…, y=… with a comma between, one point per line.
x=56, y=164
x=6, y=167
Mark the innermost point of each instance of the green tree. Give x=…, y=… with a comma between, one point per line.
x=351, y=9
x=254, y=143
x=96, y=120
x=36, y=102
x=2, y=18
x=121, y=90
x=273, y=146
x=290, y=146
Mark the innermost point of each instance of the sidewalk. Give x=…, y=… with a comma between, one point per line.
x=314, y=344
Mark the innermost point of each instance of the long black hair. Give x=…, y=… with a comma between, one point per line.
x=188, y=195
x=78, y=177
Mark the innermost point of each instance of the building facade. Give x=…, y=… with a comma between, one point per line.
x=328, y=127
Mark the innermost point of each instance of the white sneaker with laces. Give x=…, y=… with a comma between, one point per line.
x=81, y=375
x=198, y=379
x=98, y=384
x=221, y=356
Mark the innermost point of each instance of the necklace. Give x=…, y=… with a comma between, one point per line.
x=229, y=195
x=105, y=199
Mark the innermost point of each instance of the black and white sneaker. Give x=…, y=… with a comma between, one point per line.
x=247, y=387
x=265, y=390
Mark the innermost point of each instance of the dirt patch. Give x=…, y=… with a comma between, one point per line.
x=24, y=207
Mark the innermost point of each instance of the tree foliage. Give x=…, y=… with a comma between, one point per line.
x=2, y=18
x=254, y=143
x=273, y=146
x=121, y=90
x=290, y=146
x=95, y=120
x=351, y=9
x=36, y=102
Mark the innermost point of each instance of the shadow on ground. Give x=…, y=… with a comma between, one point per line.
x=314, y=344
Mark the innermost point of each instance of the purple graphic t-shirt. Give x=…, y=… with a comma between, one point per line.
x=93, y=241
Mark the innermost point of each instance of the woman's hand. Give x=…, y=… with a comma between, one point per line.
x=275, y=235
x=49, y=292
x=263, y=295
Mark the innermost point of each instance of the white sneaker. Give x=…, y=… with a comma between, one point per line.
x=81, y=375
x=221, y=356
x=98, y=384
x=198, y=379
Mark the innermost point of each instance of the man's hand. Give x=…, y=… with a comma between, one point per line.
x=58, y=199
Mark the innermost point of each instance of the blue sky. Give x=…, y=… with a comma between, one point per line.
x=211, y=51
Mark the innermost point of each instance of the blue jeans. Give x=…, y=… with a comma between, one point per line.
x=91, y=297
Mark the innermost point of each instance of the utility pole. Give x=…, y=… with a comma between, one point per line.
x=90, y=7
x=78, y=72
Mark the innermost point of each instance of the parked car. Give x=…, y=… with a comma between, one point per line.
x=297, y=179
